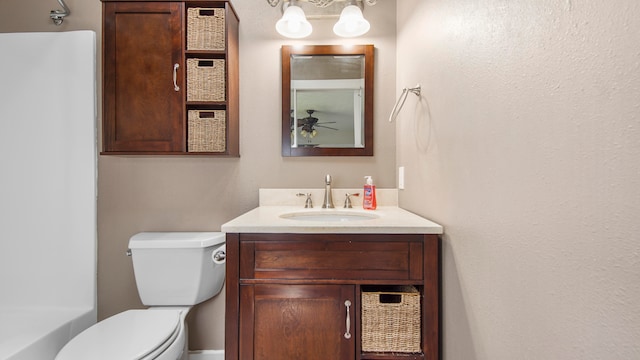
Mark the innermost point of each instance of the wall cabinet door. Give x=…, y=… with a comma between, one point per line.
x=143, y=108
x=284, y=322
x=170, y=71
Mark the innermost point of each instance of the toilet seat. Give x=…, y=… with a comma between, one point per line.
x=130, y=335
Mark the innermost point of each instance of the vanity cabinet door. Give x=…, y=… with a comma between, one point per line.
x=143, y=109
x=284, y=322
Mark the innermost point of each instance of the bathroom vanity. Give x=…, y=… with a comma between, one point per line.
x=296, y=279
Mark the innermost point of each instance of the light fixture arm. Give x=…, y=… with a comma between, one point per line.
x=58, y=16
x=325, y=3
x=287, y=3
x=358, y=3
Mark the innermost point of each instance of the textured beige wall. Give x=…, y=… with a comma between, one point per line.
x=33, y=15
x=525, y=147
x=147, y=193
x=168, y=193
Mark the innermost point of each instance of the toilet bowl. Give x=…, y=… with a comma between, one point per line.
x=173, y=271
x=157, y=334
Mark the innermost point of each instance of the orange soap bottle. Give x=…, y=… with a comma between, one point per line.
x=369, y=199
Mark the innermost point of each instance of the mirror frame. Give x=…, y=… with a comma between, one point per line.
x=367, y=51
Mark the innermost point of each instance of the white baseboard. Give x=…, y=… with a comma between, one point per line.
x=206, y=355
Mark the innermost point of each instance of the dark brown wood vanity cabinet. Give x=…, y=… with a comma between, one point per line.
x=170, y=77
x=298, y=296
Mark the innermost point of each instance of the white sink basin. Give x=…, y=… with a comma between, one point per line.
x=328, y=216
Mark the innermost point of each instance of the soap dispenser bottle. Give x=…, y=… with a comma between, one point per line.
x=369, y=199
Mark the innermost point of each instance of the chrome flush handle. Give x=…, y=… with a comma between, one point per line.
x=220, y=256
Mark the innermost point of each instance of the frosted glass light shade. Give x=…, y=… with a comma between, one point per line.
x=351, y=23
x=294, y=23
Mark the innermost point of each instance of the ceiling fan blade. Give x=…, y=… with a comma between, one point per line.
x=326, y=127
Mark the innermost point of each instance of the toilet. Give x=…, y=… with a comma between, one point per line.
x=173, y=271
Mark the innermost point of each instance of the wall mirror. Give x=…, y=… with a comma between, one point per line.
x=327, y=100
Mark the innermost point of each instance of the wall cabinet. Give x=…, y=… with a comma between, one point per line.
x=299, y=296
x=152, y=66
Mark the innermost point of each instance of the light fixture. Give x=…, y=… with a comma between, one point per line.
x=294, y=23
x=351, y=23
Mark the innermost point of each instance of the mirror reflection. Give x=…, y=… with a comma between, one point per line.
x=327, y=97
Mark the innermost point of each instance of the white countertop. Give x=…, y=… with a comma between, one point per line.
x=388, y=220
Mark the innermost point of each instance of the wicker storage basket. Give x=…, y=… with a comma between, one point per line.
x=205, y=79
x=205, y=29
x=391, y=320
x=206, y=131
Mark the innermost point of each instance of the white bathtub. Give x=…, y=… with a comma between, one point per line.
x=47, y=191
x=39, y=333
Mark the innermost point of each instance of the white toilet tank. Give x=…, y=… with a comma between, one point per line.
x=176, y=268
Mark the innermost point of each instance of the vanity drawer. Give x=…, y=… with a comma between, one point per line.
x=331, y=256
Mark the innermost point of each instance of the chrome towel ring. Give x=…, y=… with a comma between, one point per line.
x=403, y=97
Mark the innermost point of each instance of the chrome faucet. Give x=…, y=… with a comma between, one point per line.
x=328, y=199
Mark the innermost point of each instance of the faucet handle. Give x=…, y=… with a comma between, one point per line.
x=347, y=200
x=307, y=204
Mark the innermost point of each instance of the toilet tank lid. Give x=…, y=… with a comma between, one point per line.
x=175, y=240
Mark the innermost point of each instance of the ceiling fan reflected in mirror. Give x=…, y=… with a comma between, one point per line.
x=309, y=124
